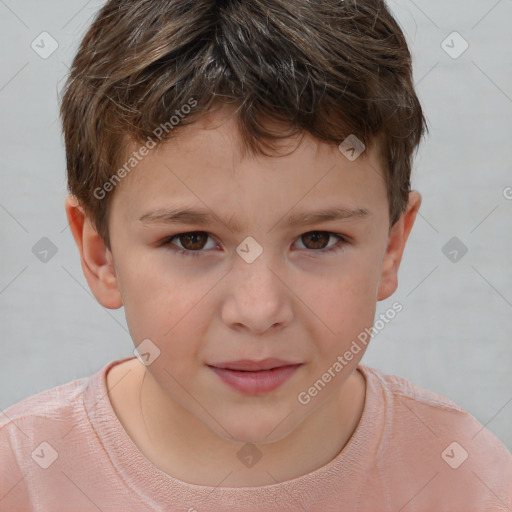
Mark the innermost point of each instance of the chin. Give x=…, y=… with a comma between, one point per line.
x=253, y=431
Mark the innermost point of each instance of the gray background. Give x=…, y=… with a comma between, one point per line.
x=453, y=335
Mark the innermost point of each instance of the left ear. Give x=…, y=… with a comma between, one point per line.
x=396, y=244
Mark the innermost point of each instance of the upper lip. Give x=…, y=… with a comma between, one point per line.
x=249, y=365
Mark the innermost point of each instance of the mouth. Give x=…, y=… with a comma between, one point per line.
x=255, y=382
x=248, y=365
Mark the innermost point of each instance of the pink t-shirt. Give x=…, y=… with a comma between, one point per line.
x=64, y=449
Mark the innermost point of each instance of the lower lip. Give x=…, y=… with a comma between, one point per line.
x=256, y=383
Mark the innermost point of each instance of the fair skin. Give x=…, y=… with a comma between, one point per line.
x=295, y=301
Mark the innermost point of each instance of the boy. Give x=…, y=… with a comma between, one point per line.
x=240, y=182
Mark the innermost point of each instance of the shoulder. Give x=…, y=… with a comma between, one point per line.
x=50, y=413
x=399, y=386
x=50, y=403
x=407, y=403
x=41, y=421
x=435, y=438
x=45, y=430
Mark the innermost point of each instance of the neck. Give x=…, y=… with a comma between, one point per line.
x=179, y=444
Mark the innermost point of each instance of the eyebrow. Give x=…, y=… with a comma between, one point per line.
x=204, y=217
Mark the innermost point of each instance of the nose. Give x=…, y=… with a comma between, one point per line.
x=257, y=299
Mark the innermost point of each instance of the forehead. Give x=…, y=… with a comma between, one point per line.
x=218, y=131
x=205, y=162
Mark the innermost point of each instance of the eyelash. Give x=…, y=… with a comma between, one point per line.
x=343, y=241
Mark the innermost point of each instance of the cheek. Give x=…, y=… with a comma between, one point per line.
x=345, y=300
x=167, y=308
x=150, y=306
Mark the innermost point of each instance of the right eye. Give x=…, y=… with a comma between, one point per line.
x=192, y=243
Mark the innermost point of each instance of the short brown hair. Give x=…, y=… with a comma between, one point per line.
x=330, y=68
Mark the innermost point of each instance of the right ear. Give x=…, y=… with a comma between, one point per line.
x=96, y=258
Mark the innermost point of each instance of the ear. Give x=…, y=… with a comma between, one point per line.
x=396, y=244
x=96, y=258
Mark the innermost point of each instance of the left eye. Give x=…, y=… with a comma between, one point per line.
x=192, y=243
x=319, y=238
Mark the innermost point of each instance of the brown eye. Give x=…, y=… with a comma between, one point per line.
x=192, y=244
x=315, y=242
x=317, y=239
x=193, y=241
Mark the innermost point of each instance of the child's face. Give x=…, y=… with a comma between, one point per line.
x=295, y=301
